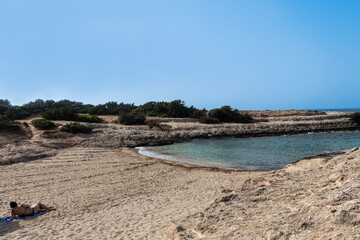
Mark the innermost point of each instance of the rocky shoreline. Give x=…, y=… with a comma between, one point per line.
x=38, y=144
x=174, y=131
x=316, y=198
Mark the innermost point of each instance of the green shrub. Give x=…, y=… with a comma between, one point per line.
x=16, y=113
x=356, y=118
x=64, y=113
x=111, y=108
x=89, y=118
x=244, y=118
x=4, y=105
x=42, y=124
x=217, y=113
x=75, y=127
x=132, y=118
x=5, y=102
x=40, y=106
x=176, y=109
x=152, y=114
x=196, y=113
x=208, y=120
x=25, y=124
x=8, y=125
x=226, y=114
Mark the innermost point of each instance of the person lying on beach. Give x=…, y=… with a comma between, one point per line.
x=27, y=210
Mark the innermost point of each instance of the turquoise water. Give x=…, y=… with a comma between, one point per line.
x=261, y=153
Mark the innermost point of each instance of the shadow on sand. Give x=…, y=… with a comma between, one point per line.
x=9, y=227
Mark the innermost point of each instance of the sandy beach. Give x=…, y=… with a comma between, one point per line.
x=118, y=194
x=107, y=194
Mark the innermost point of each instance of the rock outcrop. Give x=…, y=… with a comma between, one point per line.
x=316, y=198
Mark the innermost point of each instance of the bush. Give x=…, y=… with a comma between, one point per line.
x=16, y=113
x=64, y=113
x=43, y=124
x=196, y=113
x=209, y=120
x=226, y=114
x=355, y=118
x=8, y=125
x=4, y=105
x=74, y=127
x=40, y=106
x=132, y=118
x=176, y=109
x=111, y=108
x=89, y=118
x=244, y=118
x=217, y=113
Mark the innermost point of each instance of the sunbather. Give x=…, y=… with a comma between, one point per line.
x=27, y=210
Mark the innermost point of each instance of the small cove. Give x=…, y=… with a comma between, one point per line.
x=256, y=153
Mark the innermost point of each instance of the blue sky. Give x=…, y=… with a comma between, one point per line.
x=247, y=54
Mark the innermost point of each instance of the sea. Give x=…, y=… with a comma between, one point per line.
x=339, y=109
x=256, y=153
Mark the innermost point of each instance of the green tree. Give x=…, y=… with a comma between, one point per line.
x=4, y=105
x=64, y=113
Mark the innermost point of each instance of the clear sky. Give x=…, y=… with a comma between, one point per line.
x=247, y=54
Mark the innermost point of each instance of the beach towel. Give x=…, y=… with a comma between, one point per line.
x=7, y=219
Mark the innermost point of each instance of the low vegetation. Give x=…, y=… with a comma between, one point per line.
x=175, y=109
x=16, y=113
x=227, y=114
x=63, y=113
x=43, y=124
x=209, y=120
x=356, y=118
x=8, y=124
x=132, y=118
x=12, y=112
x=128, y=113
x=89, y=118
x=75, y=127
x=111, y=108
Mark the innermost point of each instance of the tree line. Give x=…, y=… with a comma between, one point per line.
x=128, y=113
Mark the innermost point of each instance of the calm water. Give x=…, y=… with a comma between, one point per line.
x=262, y=153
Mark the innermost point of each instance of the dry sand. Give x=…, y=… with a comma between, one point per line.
x=106, y=194
x=117, y=194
